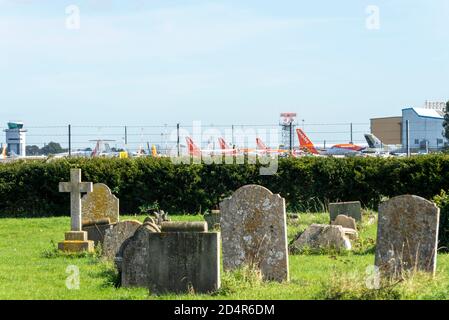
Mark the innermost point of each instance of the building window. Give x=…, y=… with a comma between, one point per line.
x=416, y=141
x=439, y=141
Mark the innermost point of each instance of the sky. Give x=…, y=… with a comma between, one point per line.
x=157, y=62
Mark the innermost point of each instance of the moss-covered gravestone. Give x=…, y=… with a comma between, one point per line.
x=407, y=236
x=254, y=232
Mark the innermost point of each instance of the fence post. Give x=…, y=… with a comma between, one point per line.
x=177, y=142
x=70, y=140
x=291, y=137
x=351, y=133
x=407, y=137
x=126, y=136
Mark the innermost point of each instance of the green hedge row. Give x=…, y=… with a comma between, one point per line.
x=31, y=188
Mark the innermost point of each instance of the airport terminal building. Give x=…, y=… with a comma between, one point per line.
x=425, y=127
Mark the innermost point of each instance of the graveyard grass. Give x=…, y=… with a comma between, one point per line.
x=31, y=268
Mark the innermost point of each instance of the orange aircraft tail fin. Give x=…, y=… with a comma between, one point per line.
x=223, y=144
x=260, y=144
x=304, y=142
x=192, y=148
x=4, y=153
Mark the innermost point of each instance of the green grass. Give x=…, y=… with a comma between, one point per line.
x=31, y=268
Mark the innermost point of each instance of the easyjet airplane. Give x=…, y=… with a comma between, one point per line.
x=338, y=149
x=195, y=151
x=263, y=149
x=228, y=150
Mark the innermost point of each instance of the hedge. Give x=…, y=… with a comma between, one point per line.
x=30, y=188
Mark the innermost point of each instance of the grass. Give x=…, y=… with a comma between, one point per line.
x=31, y=268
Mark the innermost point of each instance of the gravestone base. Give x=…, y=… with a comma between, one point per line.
x=182, y=262
x=76, y=241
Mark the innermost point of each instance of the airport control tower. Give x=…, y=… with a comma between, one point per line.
x=16, y=139
x=287, y=124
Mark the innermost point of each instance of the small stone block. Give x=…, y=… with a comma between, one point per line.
x=76, y=246
x=76, y=236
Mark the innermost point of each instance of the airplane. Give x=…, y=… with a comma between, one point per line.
x=344, y=149
x=235, y=151
x=264, y=150
x=3, y=155
x=195, y=151
x=102, y=149
x=375, y=145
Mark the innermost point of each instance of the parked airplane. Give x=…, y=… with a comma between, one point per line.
x=195, y=151
x=226, y=149
x=375, y=145
x=336, y=150
x=3, y=155
x=263, y=149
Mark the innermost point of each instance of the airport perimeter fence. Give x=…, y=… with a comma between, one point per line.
x=170, y=138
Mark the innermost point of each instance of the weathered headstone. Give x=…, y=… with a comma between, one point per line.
x=322, y=236
x=254, y=232
x=184, y=261
x=76, y=239
x=100, y=204
x=351, y=209
x=116, y=236
x=96, y=230
x=213, y=219
x=134, y=257
x=407, y=236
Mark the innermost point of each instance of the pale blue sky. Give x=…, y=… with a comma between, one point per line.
x=142, y=62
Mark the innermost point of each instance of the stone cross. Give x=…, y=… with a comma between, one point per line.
x=75, y=187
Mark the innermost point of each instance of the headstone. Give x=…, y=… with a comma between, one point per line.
x=183, y=262
x=134, y=257
x=322, y=236
x=100, y=204
x=407, y=236
x=213, y=219
x=254, y=232
x=96, y=231
x=76, y=239
x=351, y=209
x=114, y=237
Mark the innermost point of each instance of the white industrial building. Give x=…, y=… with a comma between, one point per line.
x=425, y=127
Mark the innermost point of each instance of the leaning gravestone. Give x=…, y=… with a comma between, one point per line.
x=351, y=209
x=100, y=204
x=407, y=236
x=115, y=237
x=133, y=258
x=96, y=230
x=254, y=232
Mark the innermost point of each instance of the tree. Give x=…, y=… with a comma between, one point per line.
x=52, y=148
x=32, y=150
x=446, y=122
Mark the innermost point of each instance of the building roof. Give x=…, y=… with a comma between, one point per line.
x=427, y=113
